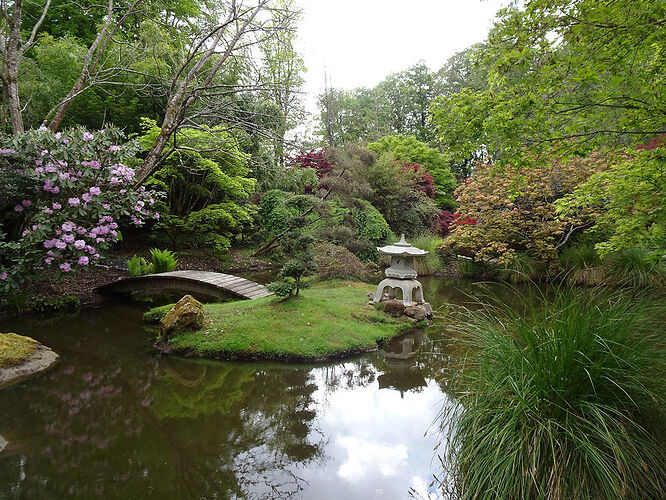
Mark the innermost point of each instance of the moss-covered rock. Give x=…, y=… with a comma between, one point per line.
x=187, y=313
x=22, y=357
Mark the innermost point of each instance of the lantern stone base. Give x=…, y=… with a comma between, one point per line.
x=411, y=289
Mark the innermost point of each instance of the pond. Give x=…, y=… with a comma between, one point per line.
x=116, y=421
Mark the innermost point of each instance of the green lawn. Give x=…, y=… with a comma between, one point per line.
x=15, y=349
x=330, y=319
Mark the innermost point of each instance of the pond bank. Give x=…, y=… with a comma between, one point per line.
x=328, y=321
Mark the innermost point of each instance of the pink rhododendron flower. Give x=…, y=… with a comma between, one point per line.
x=87, y=197
x=95, y=191
x=68, y=226
x=48, y=260
x=65, y=267
x=18, y=208
x=68, y=238
x=60, y=245
x=83, y=260
x=56, y=206
x=74, y=202
x=3, y=276
x=26, y=203
x=114, y=148
x=79, y=244
x=87, y=136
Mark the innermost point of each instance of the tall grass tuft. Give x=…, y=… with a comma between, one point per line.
x=560, y=397
x=163, y=260
x=432, y=262
x=522, y=268
x=633, y=266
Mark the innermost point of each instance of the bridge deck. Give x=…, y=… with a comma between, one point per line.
x=206, y=282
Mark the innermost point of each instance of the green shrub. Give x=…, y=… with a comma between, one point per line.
x=561, y=398
x=155, y=314
x=335, y=261
x=138, y=266
x=164, y=261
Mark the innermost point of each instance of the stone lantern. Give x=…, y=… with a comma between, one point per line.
x=401, y=274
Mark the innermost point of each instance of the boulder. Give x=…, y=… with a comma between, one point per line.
x=35, y=359
x=187, y=313
x=394, y=307
x=416, y=312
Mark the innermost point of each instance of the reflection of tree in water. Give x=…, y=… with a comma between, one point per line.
x=241, y=431
x=168, y=428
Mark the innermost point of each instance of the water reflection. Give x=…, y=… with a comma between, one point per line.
x=113, y=420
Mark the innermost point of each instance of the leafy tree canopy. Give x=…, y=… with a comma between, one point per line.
x=410, y=150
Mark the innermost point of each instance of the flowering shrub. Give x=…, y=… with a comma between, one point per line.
x=66, y=194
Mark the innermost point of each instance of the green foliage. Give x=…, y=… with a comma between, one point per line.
x=370, y=226
x=407, y=149
x=521, y=268
x=296, y=246
x=206, y=186
x=163, y=261
x=432, y=262
x=138, y=266
x=561, y=398
x=276, y=211
x=632, y=198
x=397, y=196
x=155, y=314
x=397, y=105
x=468, y=268
x=336, y=262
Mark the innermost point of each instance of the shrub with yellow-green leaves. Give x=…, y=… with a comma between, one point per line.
x=514, y=210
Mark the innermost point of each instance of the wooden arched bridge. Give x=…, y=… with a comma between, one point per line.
x=203, y=282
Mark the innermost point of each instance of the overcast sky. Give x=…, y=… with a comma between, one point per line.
x=359, y=42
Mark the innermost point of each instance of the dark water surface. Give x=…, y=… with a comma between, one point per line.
x=113, y=420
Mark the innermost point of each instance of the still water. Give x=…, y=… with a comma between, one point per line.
x=113, y=420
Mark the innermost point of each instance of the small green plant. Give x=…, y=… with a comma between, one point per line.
x=561, y=397
x=164, y=261
x=138, y=266
x=300, y=262
x=579, y=257
x=155, y=314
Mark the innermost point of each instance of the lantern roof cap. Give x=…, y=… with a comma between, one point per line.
x=402, y=248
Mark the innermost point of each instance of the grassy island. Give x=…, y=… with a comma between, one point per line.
x=329, y=320
x=16, y=349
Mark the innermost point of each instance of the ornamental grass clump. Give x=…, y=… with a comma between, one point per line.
x=562, y=396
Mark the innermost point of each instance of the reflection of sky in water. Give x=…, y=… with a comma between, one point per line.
x=378, y=446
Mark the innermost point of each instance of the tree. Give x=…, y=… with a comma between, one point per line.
x=410, y=150
x=13, y=47
x=211, y=49
x=564, y=77
x=300, y=263
x=510, y=211
x=281, y=76
x=397, y=105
